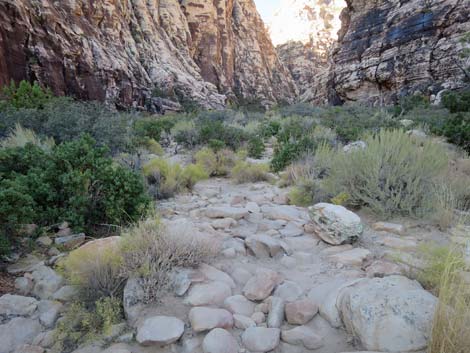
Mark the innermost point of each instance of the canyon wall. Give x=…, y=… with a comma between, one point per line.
x=391, y=48
x=151, y=54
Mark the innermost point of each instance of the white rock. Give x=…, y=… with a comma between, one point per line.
x=213, y=274
x=276, y=312
x=49, y=311
x=46, y=282
x=213, y=293
x=226, y=212
x=219, y=341
x=354, y=257
x=24, y=285
x=243, y=322
x=17, y=332
x=394, y=228
x=263, y=246
x=292, y=230
x=289, y=291
x=204, y=319
x=335, y=224
x=258, y=317
x=282, y=212
x=260, y=286
x=391, y=314
x=301, y=311
x=159, y=330
x=241, y=275
x=302, y=335
x=261, y=339
x=238, y=304
x=17, y=305
x=355, y=146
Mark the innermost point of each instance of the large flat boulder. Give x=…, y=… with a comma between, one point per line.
x=159, y=330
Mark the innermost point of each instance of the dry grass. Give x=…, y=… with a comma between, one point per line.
x=244, y=172
x=151, y=253
x=451, y=327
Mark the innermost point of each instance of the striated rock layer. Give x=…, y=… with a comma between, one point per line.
x=391, y=48
x=143, y=53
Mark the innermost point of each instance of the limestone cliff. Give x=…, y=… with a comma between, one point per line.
x=391, y=48
x=143, y=53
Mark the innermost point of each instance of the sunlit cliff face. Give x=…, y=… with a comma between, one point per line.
x=314, y=22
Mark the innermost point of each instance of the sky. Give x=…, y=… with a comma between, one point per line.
x=266, y=8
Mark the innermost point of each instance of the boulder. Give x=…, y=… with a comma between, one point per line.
x=17, y=305
x=70, y=241
x=260, y=286
x=213, y=274
x=24, y=285
x=213, y=293
x=204, y=319
x=261, y=339
x=263, y=246
x=302, y=335
x=301, y=311
x=65, y=293
x=282, y=212
x=17, y=332
x=335, y=224
x=132, y=300
x=292, y=230
x=159, y=330
x=391, y=314
x=238, y=304
x=49, y=311
x=219, y=341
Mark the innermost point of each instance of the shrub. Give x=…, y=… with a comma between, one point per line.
x=185, y=133
x=255, y=147
x=84, y=323
x=217, y=163
x=166, y=179
x=288, y=152
x=65, y=119
x=73, y=182
x=25, y=96
x=151, y=252
x=304, y=193
x=20, y=137
x=450, y=330
x=393, y=175
x=456, y=101
x=212, y=129
x=154, y=147
x=457, y=130
x=95, y=269
x=153, y=127
x=244, y=172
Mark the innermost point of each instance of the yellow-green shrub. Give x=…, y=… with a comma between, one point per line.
x=192, y=174
x=303, y=193
x=393, y=175
x=216, y=163
x=245, y=172
x=154, y=147
x=95, y=270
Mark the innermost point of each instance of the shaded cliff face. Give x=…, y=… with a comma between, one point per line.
x=391, y=48
x=122, y=51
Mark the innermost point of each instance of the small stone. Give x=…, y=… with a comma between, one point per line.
x=301, y=311
x=263, y=307
x=65, y=293
x=70, y=241
x=53, y=251
x=243, y=322
x=241, y=276
x=258, y=317
x=382, y=268
x=213, y=293
x=26, y=348
x=355, y=146
x=238, y=304
x=302, y=335
x=159, y=330
x=354, y=257
x=398, y=229
x=219, y=341
x=224, y=223
x=25, y=264
x=284, y=212
x=260, y=286
x=49, y=312
x=226, y=212
x=17, y=305
x=252, y=207
x=292, y=230
x=332, y=250
x=289, y=291
x=399, y=243
x=204, y=319
x=276, y=312
x=24, y=285
x=44, y=241
x=126, y=337
x=213, y=274
x=261, y=339
x=118, y=348
x=263, y=246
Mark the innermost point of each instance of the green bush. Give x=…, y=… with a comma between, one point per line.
x=244, y=172
x=457, y=130
x=288, y=152
x=73, y=182
x=393, y=175
x=153, y=127
x=65, y=119
x=217, y=163
x=456, y=101
x=256, y=147
x=304, y=193
x=25, y=96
